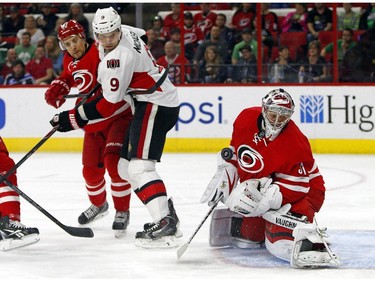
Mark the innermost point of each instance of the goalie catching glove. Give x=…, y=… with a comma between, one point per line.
x=54, y=95
x=254, y=197
x=68, y=120
x=223, y=182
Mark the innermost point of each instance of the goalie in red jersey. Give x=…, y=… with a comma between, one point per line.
x=13, y=234
x=272, y=187
x=103, y=138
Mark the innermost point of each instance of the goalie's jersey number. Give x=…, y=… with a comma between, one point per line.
x=2, y=114
x=204, y=113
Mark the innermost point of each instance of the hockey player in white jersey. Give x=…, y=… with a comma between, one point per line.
x=128, y=72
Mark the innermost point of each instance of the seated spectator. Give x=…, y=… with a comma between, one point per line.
x=40, y=67
x=319, y=18
x=76, y=13
x=18, y=75
x=358, y=63
x=314, y=67
x=296, y=21
x=348, y=18
x=269, y=25
x=25, y=50
x=47, y=20
x=247, y=39
x=162, y=33
x=193, y=36
x=215, y=40
x=226, y=33
x=176, y=39
x=210, y=67
x=54, y=52
x=172, y=20
x=205, y=19
x=155, y=45
x=284, y=70
x=37, y=35
x=2, y=19
x=344, y=44
x=175, y=63
x=243, y=18
x=245, y=71
x=14, y=22
x=4, y=47
x=367, y=18
x=59, y=21
x=6, y=67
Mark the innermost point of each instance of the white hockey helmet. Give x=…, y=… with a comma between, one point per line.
x=277, y=109
x=105, y=21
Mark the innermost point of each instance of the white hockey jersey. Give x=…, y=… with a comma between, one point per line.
x=131, y=66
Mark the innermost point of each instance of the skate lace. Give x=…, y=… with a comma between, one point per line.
x=91, y=212
x=17, y=224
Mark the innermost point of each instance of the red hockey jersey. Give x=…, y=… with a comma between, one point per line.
x=288, y=159
x=82, y=73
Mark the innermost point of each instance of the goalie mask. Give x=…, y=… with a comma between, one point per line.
x=277, y=109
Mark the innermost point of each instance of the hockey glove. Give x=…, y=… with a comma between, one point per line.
x=54, y=95
x=223, y=182
x=248, y=201
x=68, y=121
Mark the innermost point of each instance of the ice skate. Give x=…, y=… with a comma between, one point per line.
x=93, y=213
x=120, y=223
x=158, y=235
x=14, y=234
x=173, y=214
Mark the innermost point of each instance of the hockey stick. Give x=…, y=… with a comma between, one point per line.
x=74, y=231
x=183, y=248
x=44, y=139
x=153, y=88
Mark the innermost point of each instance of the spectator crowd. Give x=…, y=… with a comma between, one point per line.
x=296, y=47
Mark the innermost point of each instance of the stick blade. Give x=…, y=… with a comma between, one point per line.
x=182, y=250
x=84, y=232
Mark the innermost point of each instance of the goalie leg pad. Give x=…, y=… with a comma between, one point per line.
x=311, y=249
x=225, y=230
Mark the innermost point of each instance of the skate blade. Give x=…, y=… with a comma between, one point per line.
x=120, y=233
x=10, y=244
x=161, y=243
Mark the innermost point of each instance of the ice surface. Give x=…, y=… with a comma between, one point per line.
x=54, y=181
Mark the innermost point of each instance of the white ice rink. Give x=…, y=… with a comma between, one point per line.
x=55, y=182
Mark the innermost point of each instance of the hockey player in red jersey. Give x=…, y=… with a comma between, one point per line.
x=13, y=233
x=128, y=72
x=280, y=187
x=103, y=137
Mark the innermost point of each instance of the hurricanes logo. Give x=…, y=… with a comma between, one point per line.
x=249, y=159
x=83, y=78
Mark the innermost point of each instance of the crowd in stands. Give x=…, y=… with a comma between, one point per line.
x=297, y=46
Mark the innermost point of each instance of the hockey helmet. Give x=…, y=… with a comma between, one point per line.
x=105, y=21
x=277, y=109
x=67, y=29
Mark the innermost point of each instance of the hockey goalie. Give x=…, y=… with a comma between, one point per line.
x=13, y=234
x=271, y=186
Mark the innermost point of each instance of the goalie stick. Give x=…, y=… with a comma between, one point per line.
x=134, y=92
x=184, y=247
x=74, y=231
x=44, y=139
